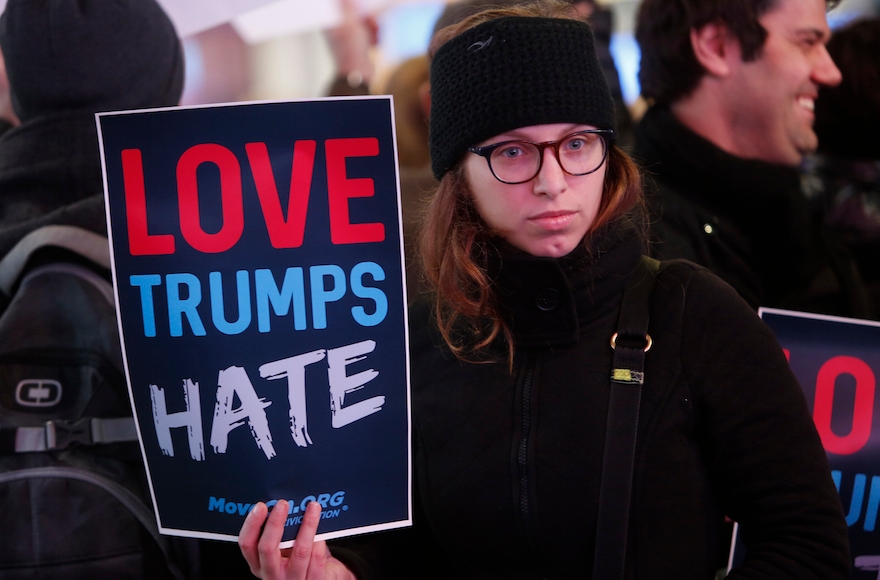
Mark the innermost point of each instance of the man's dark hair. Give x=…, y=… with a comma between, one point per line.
x=669, y=69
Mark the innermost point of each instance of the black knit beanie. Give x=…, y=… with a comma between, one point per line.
x=90, y=55
x=509, y=73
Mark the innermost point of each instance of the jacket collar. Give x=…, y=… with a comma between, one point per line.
x=548, y=301
x=56, y=153
x=762, y=202
x=751, y=193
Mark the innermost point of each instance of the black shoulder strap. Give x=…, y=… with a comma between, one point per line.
x=630, y=343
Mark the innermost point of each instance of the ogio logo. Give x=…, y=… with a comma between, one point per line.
x=38, y=393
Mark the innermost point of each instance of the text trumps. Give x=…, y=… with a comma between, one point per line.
x=183, y=297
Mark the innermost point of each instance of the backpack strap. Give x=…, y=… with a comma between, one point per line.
x=630, y=343
x=132, y=503
x=88, y=244
x=59, y=434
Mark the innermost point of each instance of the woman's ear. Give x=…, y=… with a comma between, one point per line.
x=714, y=47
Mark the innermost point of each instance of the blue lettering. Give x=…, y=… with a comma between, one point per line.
x=184, y=293
x=242, y=283
x=179, y=307
x=858, y=499
x=873, y=505
x=326, y=500
x=146, y=282
x=292, y=292
x=321, y=295
x=858, y=496
x=359, y=313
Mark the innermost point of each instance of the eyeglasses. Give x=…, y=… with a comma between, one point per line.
x=515, y=162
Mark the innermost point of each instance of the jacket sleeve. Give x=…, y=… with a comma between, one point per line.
x=762, y=449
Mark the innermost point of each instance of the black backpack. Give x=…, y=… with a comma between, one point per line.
x=74, y=501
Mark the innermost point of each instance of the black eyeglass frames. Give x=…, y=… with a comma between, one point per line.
x=519, y=161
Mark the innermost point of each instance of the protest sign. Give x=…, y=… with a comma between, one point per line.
x=257, y=265
x=836, y=361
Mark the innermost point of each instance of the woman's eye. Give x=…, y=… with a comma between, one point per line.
x=580, y=142
x=511, y=152
x=576, y=144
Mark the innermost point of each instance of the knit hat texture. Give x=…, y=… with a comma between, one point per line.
x=90, y=55
x=509, y=73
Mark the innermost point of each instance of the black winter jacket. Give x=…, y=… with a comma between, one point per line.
x=746, y=220
x=508, y=465
x=50, y=174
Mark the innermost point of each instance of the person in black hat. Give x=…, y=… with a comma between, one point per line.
x=569, y=421
x=67, y=60
x=601, y=20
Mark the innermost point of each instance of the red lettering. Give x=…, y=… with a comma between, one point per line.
x=283, y=233
x=140, y=242
x=863, y=407
x=787, y=353
x=230, y=198
x=340, y=189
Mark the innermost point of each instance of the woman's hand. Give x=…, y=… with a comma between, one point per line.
x=307, y=560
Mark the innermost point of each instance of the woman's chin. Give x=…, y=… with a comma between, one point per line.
x=555, y=249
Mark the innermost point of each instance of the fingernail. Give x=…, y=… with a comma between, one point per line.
x=257, y=506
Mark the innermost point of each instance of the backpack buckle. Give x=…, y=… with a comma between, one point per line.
x=61, y=434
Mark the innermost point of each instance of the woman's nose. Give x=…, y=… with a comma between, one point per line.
x=551, y=178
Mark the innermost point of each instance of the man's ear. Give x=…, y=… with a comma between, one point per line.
x=714, y=47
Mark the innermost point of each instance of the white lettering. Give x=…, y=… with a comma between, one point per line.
x=234, y=381
x=342, y=384
x=191, y=419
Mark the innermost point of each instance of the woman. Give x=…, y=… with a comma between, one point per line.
x=530, y=243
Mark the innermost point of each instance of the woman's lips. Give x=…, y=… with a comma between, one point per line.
x=553, y=220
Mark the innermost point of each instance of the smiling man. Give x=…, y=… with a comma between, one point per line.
x=732, y=87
